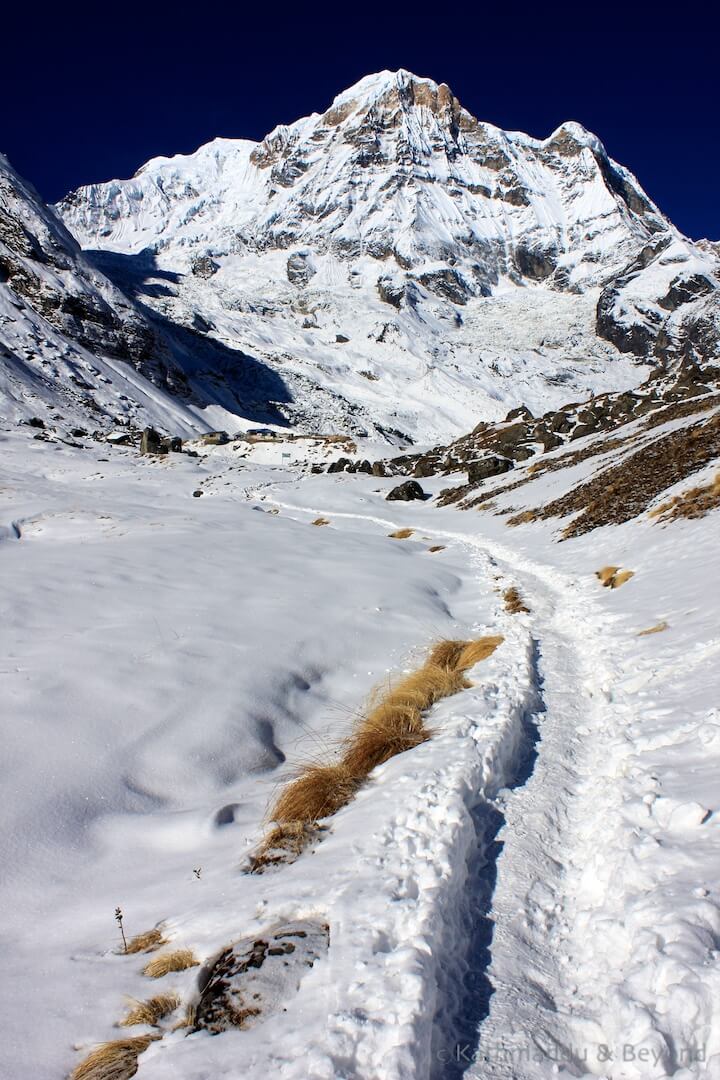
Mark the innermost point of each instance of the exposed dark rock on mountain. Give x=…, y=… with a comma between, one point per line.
x=407, y=492
x=43, y=266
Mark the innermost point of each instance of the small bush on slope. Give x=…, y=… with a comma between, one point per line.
x=658, y=629
x=317, y=792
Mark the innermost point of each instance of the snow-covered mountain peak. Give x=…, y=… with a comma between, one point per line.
x=219, y=153
x=401, y=255
x=371, y=87
x=570, y=134
x=396, y=167
x=399, y=90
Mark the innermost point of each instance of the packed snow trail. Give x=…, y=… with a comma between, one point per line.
x=530, y=911
x=549, y=996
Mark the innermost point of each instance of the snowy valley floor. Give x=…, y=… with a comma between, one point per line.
x=532, y=893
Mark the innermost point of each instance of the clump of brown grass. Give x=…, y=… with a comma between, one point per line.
x=514, y=602
x=480, y=649
x=317, y=792
x=694, y=503
x=436, y=547
x=147, y=942
x=371, y=746
x=418, y=690
x=151, y=1011
x=653, y=629
x=606, y=575
x=401, y=534
x=446, y=653
x=522, y=518
x=178, y=960
x=321, y=521
x=116, y=1060
x=393, y=724
x=612, y=577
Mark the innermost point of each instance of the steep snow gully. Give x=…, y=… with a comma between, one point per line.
x=509, y=1001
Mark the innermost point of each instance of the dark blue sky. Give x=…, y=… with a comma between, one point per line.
x=91, y=93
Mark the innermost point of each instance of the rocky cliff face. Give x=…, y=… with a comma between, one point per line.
x=68, y=336
x=43, y=265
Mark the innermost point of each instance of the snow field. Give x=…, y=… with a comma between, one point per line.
x=532, y=889
x=163, y=655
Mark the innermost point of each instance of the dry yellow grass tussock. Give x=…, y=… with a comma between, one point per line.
x=695, y=503
x=612, y=577
x=446, y=653
x=436, y=547
x=606, y=574
x=321, y=521
x=514, y=602
x=290, y=837
x=371, y=746
x=151, y=1011
x=283, y=843
x=317, y=792
x=147, y=942
x=419, y=690
x=113, y=1060
x=653, y=629
x=523, y=518
x=393, y=723
x=401, y=534
x=178, y=960
x=475, y=651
